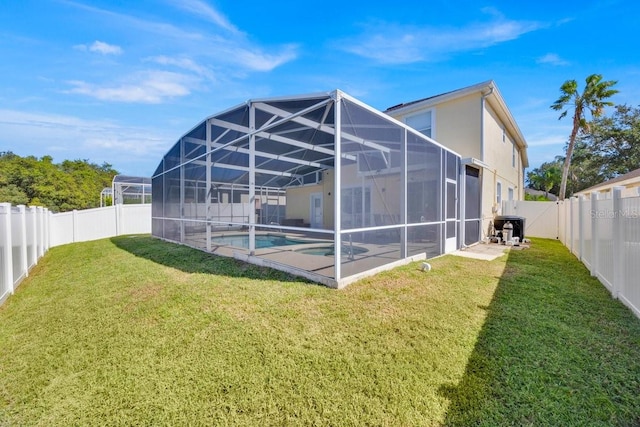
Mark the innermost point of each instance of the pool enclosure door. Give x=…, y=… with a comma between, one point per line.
x=451, y=211
x=472, y=207
x=316, y=211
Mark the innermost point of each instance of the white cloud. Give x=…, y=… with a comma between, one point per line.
x=397, y=44
x=105, y=48
x=183, y=63
x=100, y=47
x=552, y=59
x=151, y=87
x=545, y=140
x=232, y=48
x=257, y=60
x=74, y=137
x=204, y=10
x=188, y=56
x=132, y=23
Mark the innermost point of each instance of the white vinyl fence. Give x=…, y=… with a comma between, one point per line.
x=99, y=223
x=26, y=233
x=601, y=230
x=23, y=240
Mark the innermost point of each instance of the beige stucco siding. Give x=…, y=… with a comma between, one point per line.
x=299, y=200
x=457, y=125
x=385, y=190
x=328, y=184
x=499, y=148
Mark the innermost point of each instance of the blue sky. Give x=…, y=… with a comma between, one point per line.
x=120, y=82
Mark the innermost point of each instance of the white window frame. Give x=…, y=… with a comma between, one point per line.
x=498, y=193
x=433, y=121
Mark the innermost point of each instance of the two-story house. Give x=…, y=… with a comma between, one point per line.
x=475, y=122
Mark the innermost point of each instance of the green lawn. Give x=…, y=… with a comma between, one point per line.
x=136, y=331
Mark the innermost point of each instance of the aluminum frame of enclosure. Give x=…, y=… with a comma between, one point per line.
x=127, y=189
x=380, y=188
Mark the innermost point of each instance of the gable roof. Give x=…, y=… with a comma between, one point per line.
x=632, y=177
x=489, y=89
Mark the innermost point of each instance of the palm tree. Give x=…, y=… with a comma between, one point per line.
x=591, y=99
x=549, y=179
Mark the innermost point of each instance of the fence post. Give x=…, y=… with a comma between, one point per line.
x=595, y=245
x=24, y=262
x=74, y=219
x=33, y=256
x=566, y=203
x=118, y=212
x=40, y=231
x=5, y=244
x=618, y=243
x=47, y=219
x=581, y=202
x=571, y=225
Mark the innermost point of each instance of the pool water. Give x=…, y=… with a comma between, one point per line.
x=262, y=241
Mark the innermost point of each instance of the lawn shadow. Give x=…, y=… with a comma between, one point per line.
x=555, y=349
x=190, y=260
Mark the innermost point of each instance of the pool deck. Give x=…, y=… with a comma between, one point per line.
x=314, y=266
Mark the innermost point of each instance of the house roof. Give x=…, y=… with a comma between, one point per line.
x=628, y=178
x=493, y=97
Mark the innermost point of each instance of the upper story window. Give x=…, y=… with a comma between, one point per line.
x=422, y=122
x=513, y=155
x=504, y=134
x=312, y=178
x=499, y=193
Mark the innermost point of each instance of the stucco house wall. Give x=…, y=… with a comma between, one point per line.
x=475, y=122
x=448, y=119
x=503, y=155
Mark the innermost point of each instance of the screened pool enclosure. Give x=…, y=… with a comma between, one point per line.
x=127, y=190
x=321, y=186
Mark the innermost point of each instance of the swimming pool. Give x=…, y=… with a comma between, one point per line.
x=328, y=251
x=262, y=240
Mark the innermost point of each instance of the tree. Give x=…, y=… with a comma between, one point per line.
x=73, y=184
x=615, y=140
x=10, y=193
x=547, y=177
x=592, y=99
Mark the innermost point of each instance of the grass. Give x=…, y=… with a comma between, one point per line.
x=135, y=331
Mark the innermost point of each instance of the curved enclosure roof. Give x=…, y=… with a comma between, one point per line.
x=295, y=139
x=134, y=180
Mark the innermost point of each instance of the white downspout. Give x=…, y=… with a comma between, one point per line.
x=482, y=104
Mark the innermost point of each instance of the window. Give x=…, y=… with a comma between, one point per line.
x=499, y=193
x=422, y=122
x=504, y=135
x=510, y=193
x=513, y=155
x=312, y=178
